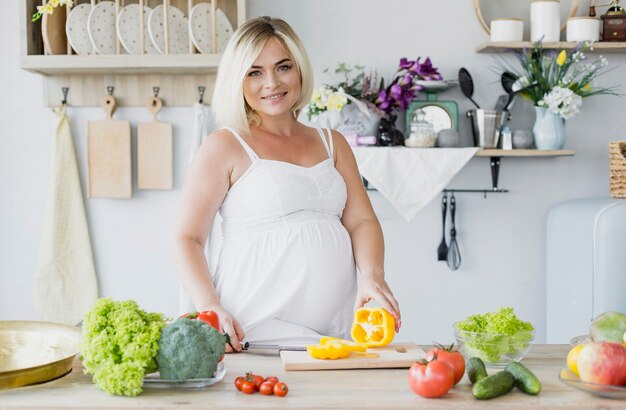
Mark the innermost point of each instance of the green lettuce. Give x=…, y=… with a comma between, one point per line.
x=491, y=335
x=120, y=344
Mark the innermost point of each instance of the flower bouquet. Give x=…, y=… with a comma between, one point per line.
x=561, y=81
x=359, y=102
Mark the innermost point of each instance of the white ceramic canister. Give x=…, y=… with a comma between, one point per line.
x=506, y=30
x=583, y=29
x=545, y=21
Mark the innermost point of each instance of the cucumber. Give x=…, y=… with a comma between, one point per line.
x=525, y=380
x=493, y=386
x=475, y=369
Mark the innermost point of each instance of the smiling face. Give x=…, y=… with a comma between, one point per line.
x=272, y=85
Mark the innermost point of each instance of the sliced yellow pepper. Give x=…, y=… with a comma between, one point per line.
x=352, y=346
x=329, y=351
x=373, y=327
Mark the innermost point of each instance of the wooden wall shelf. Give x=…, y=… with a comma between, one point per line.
x=178, y=76
x=599, y=47
x=524, y=153
x=122, y=64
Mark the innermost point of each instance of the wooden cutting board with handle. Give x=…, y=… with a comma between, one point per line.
x=394, y=355
x=154, y=150
x=109, y=159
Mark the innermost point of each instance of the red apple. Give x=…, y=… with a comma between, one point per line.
x=603, y=363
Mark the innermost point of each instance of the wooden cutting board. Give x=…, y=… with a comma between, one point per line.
x=395, y=355
x=109, y=160
x=154, y=150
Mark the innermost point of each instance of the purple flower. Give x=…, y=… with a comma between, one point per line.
x=405, y=64
x=426, y=70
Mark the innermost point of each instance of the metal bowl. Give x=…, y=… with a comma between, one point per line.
x=35, y=352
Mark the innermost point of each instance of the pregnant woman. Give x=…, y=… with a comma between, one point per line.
x=296, y=218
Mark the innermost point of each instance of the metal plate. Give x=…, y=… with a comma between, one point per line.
x=35, y=352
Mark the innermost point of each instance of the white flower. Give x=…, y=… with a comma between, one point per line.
x=562, y=101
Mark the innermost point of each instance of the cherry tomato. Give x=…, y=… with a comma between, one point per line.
x=257, y=380
x=272, y=379
x=431, y=379
x=280, y=389
x=239, y=382
x=266, y=388
x=248, y=387
x=452, y=357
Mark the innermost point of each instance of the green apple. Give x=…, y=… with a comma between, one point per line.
x=608, y=327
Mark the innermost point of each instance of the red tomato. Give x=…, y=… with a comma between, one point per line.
x=248, y=387
x=280, y=389
x=207, y=316
x=431, y=379
x=452, y=357
x=272, y=379
x=257, y=380
x=239, y=382
x=266, y=388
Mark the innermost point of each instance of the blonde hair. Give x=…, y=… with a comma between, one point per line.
x=229, y=105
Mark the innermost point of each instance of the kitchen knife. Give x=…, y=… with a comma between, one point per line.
x=270, y=347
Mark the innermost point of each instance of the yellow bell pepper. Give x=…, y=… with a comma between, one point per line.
x=373, y=327
x=352, y=346
x=331, y=350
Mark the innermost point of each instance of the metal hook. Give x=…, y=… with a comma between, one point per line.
x=155, y=90
x=110, y=89
x=201, y=92
x=65, y=90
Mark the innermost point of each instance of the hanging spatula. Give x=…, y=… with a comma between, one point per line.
x=454, y=255
x=442, y=250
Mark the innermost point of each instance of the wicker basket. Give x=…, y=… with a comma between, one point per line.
x=617, y=163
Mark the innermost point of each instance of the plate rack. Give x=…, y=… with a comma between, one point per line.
x=133, y=77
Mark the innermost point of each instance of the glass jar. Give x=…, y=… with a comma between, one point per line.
x=422, y=132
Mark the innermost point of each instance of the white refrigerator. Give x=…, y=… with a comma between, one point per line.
x=585, y=265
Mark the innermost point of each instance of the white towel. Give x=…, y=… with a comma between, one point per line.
x=65, y=286
x=410, y=177
x=203, y=125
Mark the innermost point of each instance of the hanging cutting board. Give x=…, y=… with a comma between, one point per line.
x=154, y=150
x=109, y=160
x=395, y=355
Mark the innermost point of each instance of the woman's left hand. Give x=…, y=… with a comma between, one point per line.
x=376, y=288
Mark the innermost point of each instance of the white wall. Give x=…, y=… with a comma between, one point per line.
x=502, y=238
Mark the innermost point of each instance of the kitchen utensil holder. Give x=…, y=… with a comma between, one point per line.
x=617, y=165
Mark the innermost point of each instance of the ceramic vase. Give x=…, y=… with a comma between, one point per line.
x=549, y=130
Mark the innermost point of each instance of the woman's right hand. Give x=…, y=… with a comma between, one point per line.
x=230, y=326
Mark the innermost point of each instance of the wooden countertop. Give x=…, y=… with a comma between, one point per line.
x=362, y=389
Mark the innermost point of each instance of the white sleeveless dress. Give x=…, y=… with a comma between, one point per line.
x=286, y=270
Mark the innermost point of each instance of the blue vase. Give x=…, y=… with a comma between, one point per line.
x=549, y=129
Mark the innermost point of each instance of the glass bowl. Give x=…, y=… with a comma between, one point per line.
x=600, y=390
x=495, y=350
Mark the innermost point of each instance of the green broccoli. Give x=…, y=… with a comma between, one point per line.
x=119, y=345
x=189, y=349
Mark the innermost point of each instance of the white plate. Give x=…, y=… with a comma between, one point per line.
x=178, y=33
x=76, y=29
x=200, y=28
x=153, y=381
x=129, y=33
x=101, y=28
